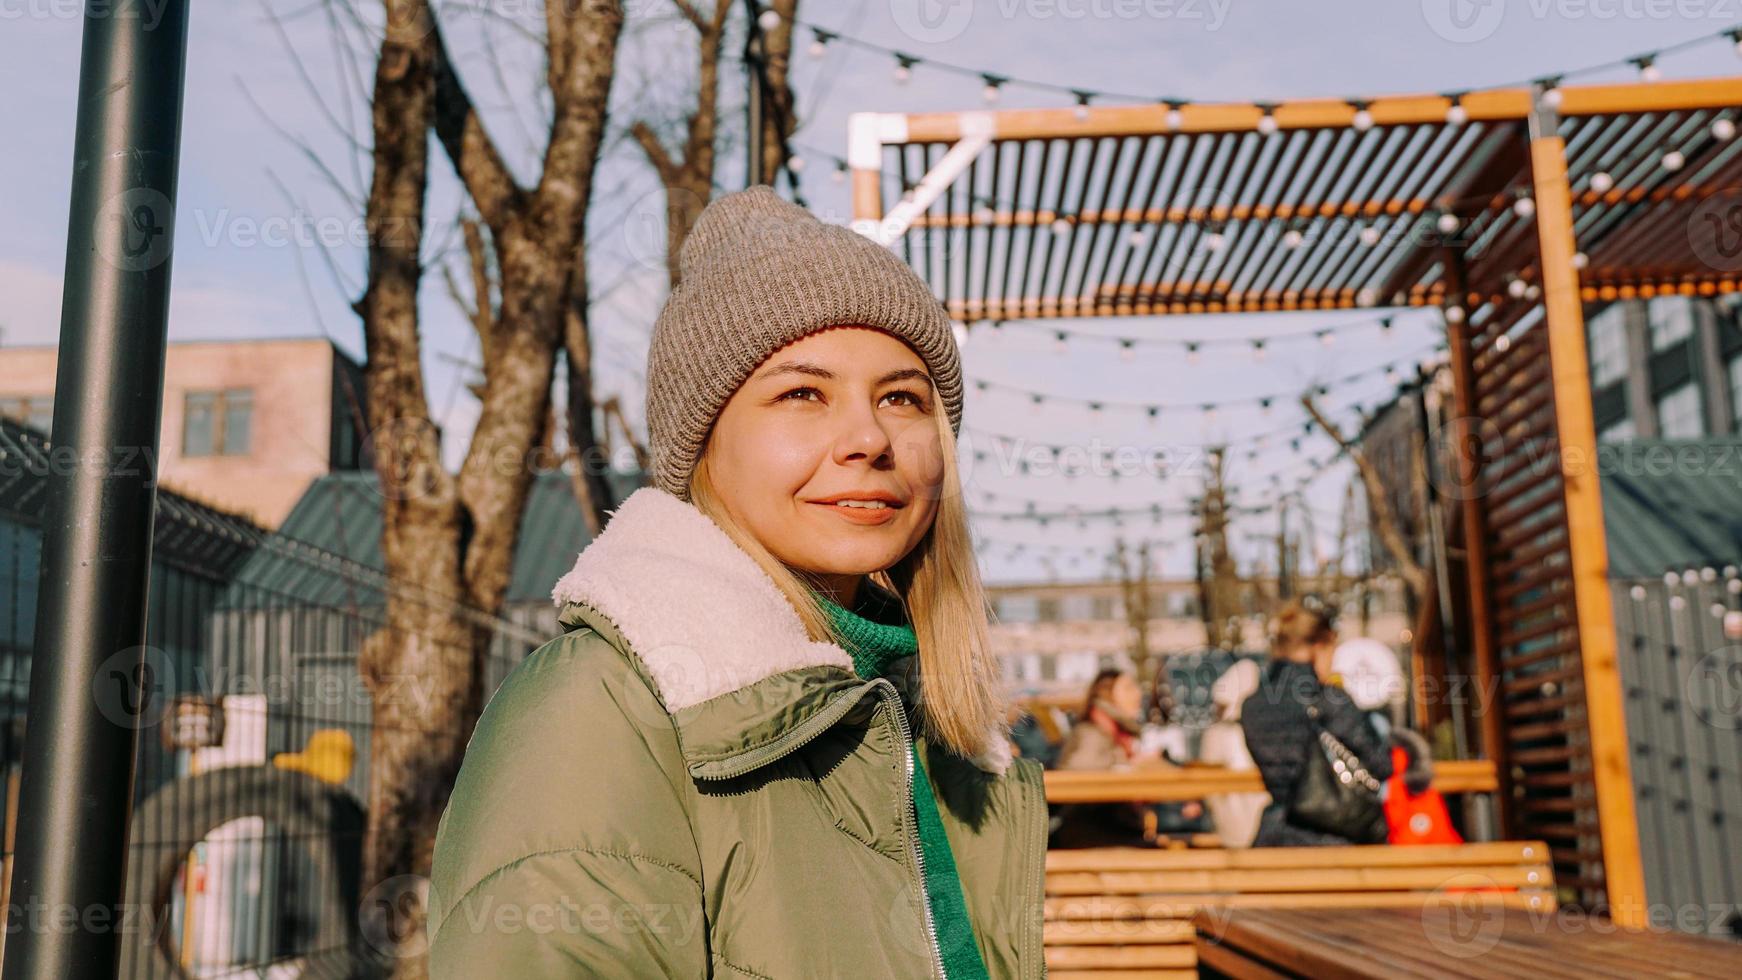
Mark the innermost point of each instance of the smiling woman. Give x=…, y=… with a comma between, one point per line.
x=769, y=743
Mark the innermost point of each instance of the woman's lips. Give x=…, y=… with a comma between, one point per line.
x=862, y=515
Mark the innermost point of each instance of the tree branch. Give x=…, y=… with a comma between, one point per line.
x=1378, y=507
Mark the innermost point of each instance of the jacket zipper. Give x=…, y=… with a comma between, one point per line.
x=910, y=817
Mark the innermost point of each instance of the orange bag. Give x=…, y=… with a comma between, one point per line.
x=1419, y=819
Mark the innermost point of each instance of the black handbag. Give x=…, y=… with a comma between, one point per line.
x=1336, y=795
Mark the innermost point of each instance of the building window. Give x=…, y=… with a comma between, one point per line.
x=1618, y=432
x=1678, y=414
x=217, y=423
x=1672, y=320
x=1047, y=610
x=1608, y=345
x=1016, y=609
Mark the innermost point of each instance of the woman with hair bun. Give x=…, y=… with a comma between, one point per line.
x=1280, y=728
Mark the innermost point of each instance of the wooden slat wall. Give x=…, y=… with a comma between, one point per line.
x=1533, y=621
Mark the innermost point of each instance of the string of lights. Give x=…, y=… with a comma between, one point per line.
x=993, y=83
x=1392, y=371
x=1257, y=345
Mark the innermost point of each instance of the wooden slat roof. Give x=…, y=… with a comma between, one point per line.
x=1141, y=210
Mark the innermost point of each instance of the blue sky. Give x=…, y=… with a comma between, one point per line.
x=266, y=244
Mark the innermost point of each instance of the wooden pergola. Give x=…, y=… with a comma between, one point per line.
x=1507, y=209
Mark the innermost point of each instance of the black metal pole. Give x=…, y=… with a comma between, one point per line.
x=90, y=676
x=753, y=49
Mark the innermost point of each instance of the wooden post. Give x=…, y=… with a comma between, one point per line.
x=1466, y=434
x=1569, y=367
x=865, y=157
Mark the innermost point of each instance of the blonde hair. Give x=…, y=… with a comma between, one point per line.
x=1297, y=626
x=938, y=583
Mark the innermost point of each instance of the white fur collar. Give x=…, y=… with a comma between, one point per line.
x=703, y=618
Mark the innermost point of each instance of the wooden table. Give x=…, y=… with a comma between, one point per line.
x=1457, y=937
x=1173, y=784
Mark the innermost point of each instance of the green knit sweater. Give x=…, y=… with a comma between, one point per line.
x=876, y=633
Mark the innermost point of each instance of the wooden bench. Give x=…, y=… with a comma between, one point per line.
x=1179, y=784
x=1126, y=913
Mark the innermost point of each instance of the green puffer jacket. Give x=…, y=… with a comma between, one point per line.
x=684, y=784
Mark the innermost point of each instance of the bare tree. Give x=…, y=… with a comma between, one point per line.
x=1135, y=572
x=1378, y=506
x=1218, y=576
x=779, y=116
x=448, y=539
x=687, y=173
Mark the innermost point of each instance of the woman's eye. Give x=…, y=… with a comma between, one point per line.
x=908, y=398
x=801, y=394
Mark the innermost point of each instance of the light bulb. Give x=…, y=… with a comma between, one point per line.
x=1292, y=238
x=1363, y=120
x=1673, y=160
x=1267, y=124
x=1138, y=237
x=1723, y=129
x=1524, y=207
x=1174, y=118
x=1649, y=72
x=1448, y=223
x=819, y=48
x=1454, y=314
x=1061, y=227
x=1516, y=288
x=795, y=163
x=1214, y=241
x=1370, y=235
x=1551, y=98
x=990, y=93
x=1457, y=115
x=1580, y=260
x=768, y=19
x=1601, y=182
x=1081, y=111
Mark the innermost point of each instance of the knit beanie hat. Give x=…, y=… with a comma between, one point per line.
x=757, y=273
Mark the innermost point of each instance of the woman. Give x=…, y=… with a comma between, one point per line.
x=1108, y=729
x=1280, y=729
x=1105, y=736
x=1235, y=815
x=769, y=743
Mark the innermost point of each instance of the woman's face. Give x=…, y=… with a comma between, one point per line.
x=1126, y=695
x=830, y=454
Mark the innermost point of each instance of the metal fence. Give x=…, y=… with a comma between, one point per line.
x=252, y=762
x=1680, y=647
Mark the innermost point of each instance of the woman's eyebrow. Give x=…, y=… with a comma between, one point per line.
x=818, y=371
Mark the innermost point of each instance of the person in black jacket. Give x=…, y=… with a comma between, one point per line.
x=1280, y=732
